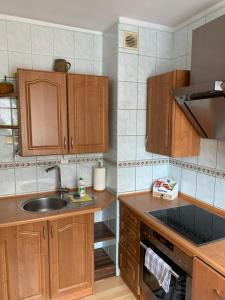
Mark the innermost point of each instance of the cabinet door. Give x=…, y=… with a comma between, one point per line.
x=207, y=283
x=43, y=112
x=88, y=113
x=71, y=256
x=24, y=262
x=159, y=110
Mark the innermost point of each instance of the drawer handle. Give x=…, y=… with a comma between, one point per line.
x=72, y=142
x=219, y=293
x=65, y=143
x=44, y=232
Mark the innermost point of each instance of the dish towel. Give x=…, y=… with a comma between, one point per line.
x=159, y=268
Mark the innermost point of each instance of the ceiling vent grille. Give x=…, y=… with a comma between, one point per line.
x=131, y=40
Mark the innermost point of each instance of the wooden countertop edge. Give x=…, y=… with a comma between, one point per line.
x=185, y=245
x=67, y=212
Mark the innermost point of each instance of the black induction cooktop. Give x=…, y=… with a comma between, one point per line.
x=193, y=223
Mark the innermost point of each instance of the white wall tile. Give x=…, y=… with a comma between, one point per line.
x=189, y=182
x=98, y=44
x=84, y=46
x=26, y=180
x=19, y=37
x=46, y=181
x=147, y=41
x=42, y=40
x=144, y=177
x=126, y=180
x=165, y=42
x=7, y=182
x=3, y=36
x=141, y=122
x=160, y=171
x=163, y=65
x=69, y=175
x=127, y=122
x=126, y=148
x=19, y=60
x=142, y=96
x=63, y=43
x=208, y=152
x=128, y=66
x=6, y=150
x=175, y=173
x=141, y=149
x=205, y=188
x=4, y=69
x=127, y=95
x=188, y=61
x=146, y=68
x=220, y=164
x=84, y=66
x=42, y=62
x=180, y=62
x=219, y=199
x=97, y=68
x=180, y=41
x=111, y=177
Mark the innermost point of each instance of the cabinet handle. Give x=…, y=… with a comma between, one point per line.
x=52, y=233
x=44, y=233
x=72, y=142
x=219, y=293
x=65, y=143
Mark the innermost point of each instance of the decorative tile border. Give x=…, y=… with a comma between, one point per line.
x=197, y=168
x=28, y=164
x=142, y=163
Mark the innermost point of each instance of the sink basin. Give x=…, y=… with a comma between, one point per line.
x=44, y=204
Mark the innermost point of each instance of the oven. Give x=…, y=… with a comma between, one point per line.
x=180, y=262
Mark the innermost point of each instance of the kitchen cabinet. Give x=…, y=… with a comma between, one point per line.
x=43, y=112
x=88, y=113
x=71, y=244
x=62, y=113
x=129, y=248
x=207, y=283
x=169, y=132
x=24, y=270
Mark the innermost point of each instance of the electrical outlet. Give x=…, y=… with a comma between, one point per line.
x=8, y=140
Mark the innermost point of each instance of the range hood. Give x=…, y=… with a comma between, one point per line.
x=203, y=101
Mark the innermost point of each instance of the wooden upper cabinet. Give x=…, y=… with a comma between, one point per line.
x=71, y=248
x=169, y=132
x=88, y=113
x=24, y=273
x=207, y=283
x=43, y=112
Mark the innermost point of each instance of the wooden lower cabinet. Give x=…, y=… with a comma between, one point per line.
x=71, y=257
x=129, y=248
x=24, y=270
x=207, y=283
x=47, y=260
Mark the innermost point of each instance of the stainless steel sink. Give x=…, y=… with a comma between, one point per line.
x=44, y=204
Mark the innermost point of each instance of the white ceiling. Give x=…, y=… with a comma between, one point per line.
x=99, y=14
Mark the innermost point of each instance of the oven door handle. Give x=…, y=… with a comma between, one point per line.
x=172, y=272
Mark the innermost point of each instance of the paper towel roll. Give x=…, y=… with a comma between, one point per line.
x=99, y=179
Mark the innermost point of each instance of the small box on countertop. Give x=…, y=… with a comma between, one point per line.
x=165, y=188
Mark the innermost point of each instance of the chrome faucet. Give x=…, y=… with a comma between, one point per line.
x=60, y=189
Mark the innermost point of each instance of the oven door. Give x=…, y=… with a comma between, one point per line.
x=179, y=286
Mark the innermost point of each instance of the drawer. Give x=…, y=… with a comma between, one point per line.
x=131, y=246
x=129, y=218
x=129, y=270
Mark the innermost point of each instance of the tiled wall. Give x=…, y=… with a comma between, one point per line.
x=202, y=177
x=137, y=169
x=33, y=46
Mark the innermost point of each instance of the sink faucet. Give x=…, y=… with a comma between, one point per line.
x=60, y=189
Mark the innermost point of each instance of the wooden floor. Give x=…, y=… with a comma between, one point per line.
x=112, y=288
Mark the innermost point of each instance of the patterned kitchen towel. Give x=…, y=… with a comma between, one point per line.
x=159, y=268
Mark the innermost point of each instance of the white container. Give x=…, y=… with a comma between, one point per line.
x=81, y=187
x=99, y=178
x=165, y=188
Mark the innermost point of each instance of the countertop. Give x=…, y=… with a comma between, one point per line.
x=213, y=254
x=12, y=214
